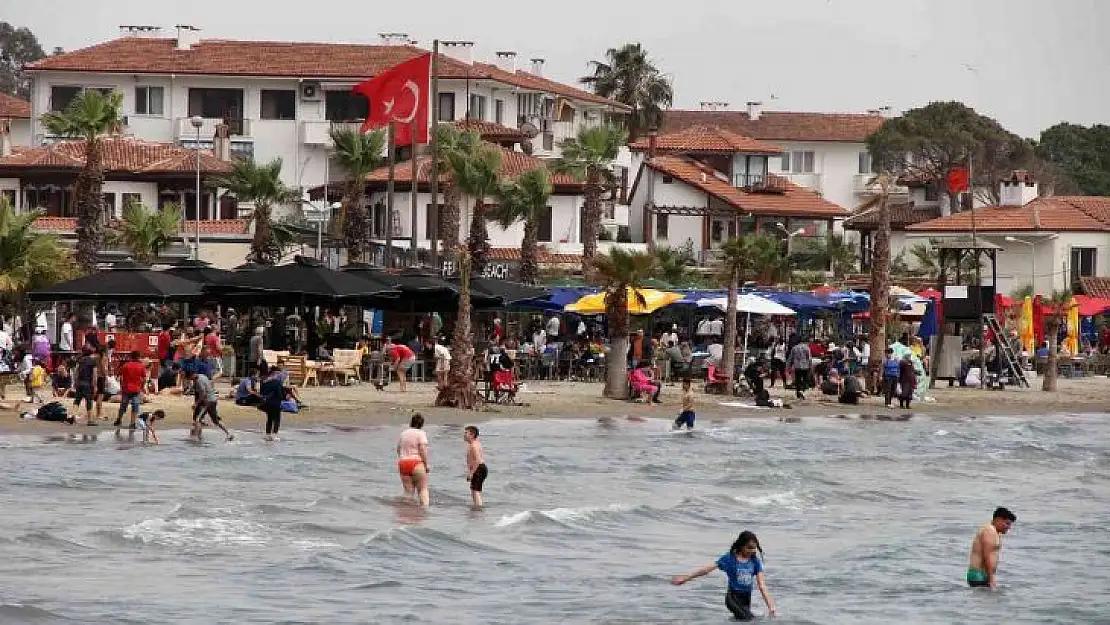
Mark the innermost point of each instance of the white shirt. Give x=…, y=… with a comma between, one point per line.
x=553, y=326
x=703, y=327
x=110, y=320
x=716, y=352
x=408, y=446
x=26, y=365
x=865, y=353
x=442, y=353
x=6, y=341
x=539, y=339
x=779, y=352
x=66, y=342
x=581, y=327
x=670, y=337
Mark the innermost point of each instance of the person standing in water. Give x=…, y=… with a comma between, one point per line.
x=476, y=471
x=686, y=417
x=412, y=460
x=744, y=569
x=982, y=566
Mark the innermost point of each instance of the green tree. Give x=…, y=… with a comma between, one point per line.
x=673, y=266
x=90, y=115
x=1056, y=312
x=628, y=76
x=770, y=264
x=926, y=259
x=29, y=260
x=525, y=199
x=476, y=169
x=589, y=157
x=18, y=47
x=460, y=391
x=145, y=233
x=1082, y=153
x=262, y=186
x=453, y=148
x=357, y=155
x=737, y=259
x=618, y=272
x=837, y=255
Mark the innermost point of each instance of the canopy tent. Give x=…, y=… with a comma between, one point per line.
x=693, y=296
x=652, y=300
x=847, y=301
x=198, y=271
x=125, y=281
x=800, y=303
x=748, y=303
x=1092, y=306
x=304, y=278
x=558, y=297
x=420, y=290
x=504, y=293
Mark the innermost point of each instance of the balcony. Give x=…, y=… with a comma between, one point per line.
x=316, y=132
x=864, y=185
x=239, y=128
x=759, y=183
x=810, y=181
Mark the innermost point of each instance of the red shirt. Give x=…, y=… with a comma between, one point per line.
x=401, y=353
x=212, y=342
x=165, y=344
x=131, y=377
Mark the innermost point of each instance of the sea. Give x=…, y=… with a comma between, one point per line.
x=861, y=521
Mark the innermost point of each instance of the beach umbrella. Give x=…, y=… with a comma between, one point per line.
x=1038, y=320
x=198, y=271
x=1092, y=306
x=653, y=300
x=1072, y=340
x=505, y=293
x=303, y=278
x=125, y=281
x=1026, y=325
x=928, y=326
x=750, y=304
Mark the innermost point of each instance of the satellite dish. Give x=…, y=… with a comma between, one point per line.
x=526, y=147
x=529, y=129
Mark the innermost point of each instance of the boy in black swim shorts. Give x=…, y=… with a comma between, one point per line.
x=476, y=471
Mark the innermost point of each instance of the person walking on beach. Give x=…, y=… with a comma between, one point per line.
x=907, y=381
x=801, y=361
x=132, y=377
x=272, y=392
x=982, y=566
x=205, y=402
x=412, y=460
x=890, y=376
x=476, y=471
x=686, y=417
x=744, y=569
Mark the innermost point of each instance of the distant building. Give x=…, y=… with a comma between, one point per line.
x=15, y=113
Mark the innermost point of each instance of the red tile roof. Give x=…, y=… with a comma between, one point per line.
x=705, y=139
x=490, y=131
x=792, y=201
x=866, y=217
x=61, y=224
x=227, y=226
x=781, y=125
x=159, y=55
x=1095, y=287
x=121, y=155
x=1047, y=214
x=511, y=254
x=513, y=164
x=13, y=107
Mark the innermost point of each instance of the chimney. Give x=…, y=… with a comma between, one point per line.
x=129, y=30
x=754, y=110
x=653, y=142
x=5, y=138
x=187, y=37
x=506, y=61
x=394, y=39
x=886, y=111
x=537, y=66
x=462, y=51
x=221, y=142
x=1019, y=189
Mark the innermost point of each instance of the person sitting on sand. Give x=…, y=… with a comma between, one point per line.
x=246, y=393
x=851, y=390
x=61, y=380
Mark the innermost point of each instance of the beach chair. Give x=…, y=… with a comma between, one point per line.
x=299, y=369
x=715, y=383
x=347, y=363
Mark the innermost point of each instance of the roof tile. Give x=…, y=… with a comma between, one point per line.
x=1095, y=287
x=705, y=139
x=121, y=155
x=513, y=164
x=490, y=131
x=781, y=125
x=544, y=257
x=1045, y=214
x=901, y=215
x=13, y=107
x=207, y=226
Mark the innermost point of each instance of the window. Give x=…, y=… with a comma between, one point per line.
x=931, y=194
x=217, y=104
x=499, y=111
x=865, y=164
x=278, y=104
x=61, y=96
x=798, y=162
x=668, y=179
x=477, y=108
x=447, y=107
x=345, y=106
x=717, y=231
x=543, y=234
x=662, y=225
x=149, y=100
x=108, y=204
x=9, y=196
x=1082, y=263
x=131, y=198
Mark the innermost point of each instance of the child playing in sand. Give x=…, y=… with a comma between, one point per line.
x=145, y=424
x=743, y=568
x=476, y=471
x=686, y=417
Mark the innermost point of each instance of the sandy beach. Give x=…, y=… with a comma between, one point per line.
x=363, y=405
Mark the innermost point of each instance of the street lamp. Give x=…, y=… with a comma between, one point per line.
x=789, y=235
x=197, y=121
x=1032, y=257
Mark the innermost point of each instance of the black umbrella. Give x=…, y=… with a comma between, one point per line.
x=506, y=293
x=125, y=281
x=411, y=281
x=198, y=271
x=304, y=278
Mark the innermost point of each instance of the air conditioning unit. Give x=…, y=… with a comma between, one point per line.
x=310, y=92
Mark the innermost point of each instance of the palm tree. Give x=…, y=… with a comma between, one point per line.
x=28, y=260
x=145, y=233
x=628, y=76
x=1056, y=311
x=91, y=114
x=618, y=272
x=736, y=258
x=880, y=281
x=357, y=154
x=460, y=390
x=452, y=147
x=478, y=174
x=262, y=185
x=589, y=157
x=770, y=264
x=674, y=266
x=927, y=261
x=525, y=199
x=837, y=255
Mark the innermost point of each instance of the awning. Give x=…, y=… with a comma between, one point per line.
x=649, y=301
x=748, y=303
x=125, y=281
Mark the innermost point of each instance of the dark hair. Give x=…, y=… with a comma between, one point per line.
x=742, y=541
x=472, y=429
x=158, y=414
x=1004, y=513
x=111, y=344
x=686, y=381
x=207, y=330
x=135, y=355
x=417, y=421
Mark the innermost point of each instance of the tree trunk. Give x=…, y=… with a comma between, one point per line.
x=591, y=220
x=354, y=223
x=880, y=294
x=728, y=358
x=449, y=221
x=260, y=244
x=478, y=242
x=460, y=390
x=87, y=197
x=1052, y=329
x=616, y=311
x=528, y=266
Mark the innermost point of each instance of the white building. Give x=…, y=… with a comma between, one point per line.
x=1053, y=243
x=15, y=115
x=280, y=98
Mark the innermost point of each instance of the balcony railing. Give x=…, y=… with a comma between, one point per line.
x=237, y=127
x=759, y=183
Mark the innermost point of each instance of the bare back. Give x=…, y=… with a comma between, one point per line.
x=986, y=543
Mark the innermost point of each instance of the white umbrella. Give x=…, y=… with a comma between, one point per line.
x=747, y=303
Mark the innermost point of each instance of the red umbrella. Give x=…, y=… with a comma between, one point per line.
x=1038, y=320
x=1003, y=302
x=931, y=294
x=824, y=290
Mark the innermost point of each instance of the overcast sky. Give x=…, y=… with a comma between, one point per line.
x=1028, y=63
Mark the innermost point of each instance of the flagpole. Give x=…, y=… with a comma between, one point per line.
x=433, y=174
x=413, y=221
x=978, y=275
x=389, y=195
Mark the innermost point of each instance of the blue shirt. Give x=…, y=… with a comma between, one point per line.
x=741, y=573
x=890, y=368
x=246, y=385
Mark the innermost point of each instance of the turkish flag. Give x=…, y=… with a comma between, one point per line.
x=400, y=94
x=957, y=180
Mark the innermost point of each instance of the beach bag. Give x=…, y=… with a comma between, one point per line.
x=53, y=411
x=288, y=405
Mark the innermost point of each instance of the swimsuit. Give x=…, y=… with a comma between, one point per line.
x=479, y=477
x=408, y=465
x=977, y=578
x=685, y=418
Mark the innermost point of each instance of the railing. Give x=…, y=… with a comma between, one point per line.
x=759, y=182
x=810, y=181
x=237, y=127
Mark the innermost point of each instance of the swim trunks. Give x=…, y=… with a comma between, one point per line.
x=407, y=465
x=479, y=478
x=685, y=418
x=977, y=578
x=740, y=604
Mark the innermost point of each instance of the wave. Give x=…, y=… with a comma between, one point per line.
x=422, y=540
x=389, y=583
x=569, y=516
x=183, y=529
x=18, y=613
x=788, y=499
x=42, y=538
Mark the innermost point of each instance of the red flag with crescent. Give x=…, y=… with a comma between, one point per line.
x=400, y=94
x=958, y=179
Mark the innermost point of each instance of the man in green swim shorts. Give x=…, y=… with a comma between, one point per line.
x=982, y=567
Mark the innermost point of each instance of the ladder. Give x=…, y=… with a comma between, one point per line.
x=1009, y=359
